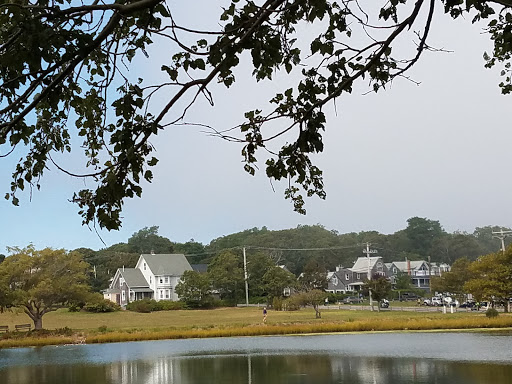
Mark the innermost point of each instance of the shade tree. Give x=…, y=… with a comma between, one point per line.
x=41, y=281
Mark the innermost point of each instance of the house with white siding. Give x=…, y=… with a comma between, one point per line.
x=154, y=277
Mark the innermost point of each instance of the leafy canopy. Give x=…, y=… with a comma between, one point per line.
x=64, y=77
x=39, y=282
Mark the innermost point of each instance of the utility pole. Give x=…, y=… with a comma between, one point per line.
x=501, y=235
x=368, y=252
x=245, y=278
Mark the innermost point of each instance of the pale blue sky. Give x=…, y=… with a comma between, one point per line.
x=439, y=150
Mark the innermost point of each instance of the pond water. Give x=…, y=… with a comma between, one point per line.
x=393, y=358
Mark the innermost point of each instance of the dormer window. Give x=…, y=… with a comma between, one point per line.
x=347, y=276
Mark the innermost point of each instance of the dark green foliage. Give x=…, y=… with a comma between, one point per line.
x=147, y=306
x=147, y=240
x=194, y=289
x=491, y=313
x=101, y=306
x=141, y=306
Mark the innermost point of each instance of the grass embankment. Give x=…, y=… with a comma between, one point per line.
x=228, y=322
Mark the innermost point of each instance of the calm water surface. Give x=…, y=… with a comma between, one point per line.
x=450, y=358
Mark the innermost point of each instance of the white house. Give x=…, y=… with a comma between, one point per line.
x=154, y=277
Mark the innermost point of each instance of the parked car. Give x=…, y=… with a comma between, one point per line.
x=352, y=300
x=427, y=302
x=436, y=301
x=467, y=304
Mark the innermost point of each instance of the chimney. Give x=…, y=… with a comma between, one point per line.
x=409, y=267
x=123, y=268
x=152, y=252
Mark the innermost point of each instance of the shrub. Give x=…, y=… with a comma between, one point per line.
x=102, y=328
x=101, y=306
x=491, y=313
x=277, y=304
x=75, y=307
x=142, y=306
x=291, y=304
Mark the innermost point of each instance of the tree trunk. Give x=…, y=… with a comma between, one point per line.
x=38, y=322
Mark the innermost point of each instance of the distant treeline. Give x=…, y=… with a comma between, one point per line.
x=294, y=247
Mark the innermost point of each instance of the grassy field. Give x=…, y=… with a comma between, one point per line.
x=126, y=325
x=221, y=317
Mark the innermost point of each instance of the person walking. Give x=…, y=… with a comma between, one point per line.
x=264, y=315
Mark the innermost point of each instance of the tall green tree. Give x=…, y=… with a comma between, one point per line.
x=227, y=276
x=314, y=276
x=380, y=287
x=65, y=74
x=42, y=281
x=421, y=233
x=491, y=277
x=195, y=289
x=147, y=240
x=455, y=280
x=258, y=265
x=276, y=279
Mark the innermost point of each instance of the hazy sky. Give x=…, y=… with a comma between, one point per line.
x=439, y=150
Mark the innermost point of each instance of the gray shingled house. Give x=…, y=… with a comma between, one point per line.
x=154, y=277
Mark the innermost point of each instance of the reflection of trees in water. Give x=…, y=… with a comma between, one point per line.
x=307, y=368
x=263, y=369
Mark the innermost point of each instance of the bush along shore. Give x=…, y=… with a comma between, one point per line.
x=105, y=335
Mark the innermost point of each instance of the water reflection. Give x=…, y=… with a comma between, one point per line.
x=262, y=360
x=259, y=369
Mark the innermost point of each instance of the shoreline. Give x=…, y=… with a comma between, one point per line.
x=32, y=339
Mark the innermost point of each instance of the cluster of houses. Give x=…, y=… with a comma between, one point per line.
x=156, y=276
x=347, y=280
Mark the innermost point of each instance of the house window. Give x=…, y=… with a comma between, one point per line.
x=166, y=293
x=161, y=280
x=144, y=266
x=121, y=281
x=123, y=294
x=161, y=293
x=335, y=280
x=149, y=279
x=166, y=279
x=347, y=277
x=358, y=276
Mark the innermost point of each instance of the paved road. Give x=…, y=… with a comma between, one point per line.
x=391, y=308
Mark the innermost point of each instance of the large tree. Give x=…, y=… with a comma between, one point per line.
x=422, y=233
x=227, y=276
x=491, y=277
x=64, y=76
x=195, y=289
x=380, y=287
x=42, y=281
x=453, y=281
x=147, y=240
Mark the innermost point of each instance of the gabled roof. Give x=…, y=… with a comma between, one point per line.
x=133, y=277
x=166, y=264
x=361, y=264
x=201, y=268
x=402, y=265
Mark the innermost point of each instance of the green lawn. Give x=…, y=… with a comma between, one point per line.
x=221, y=317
